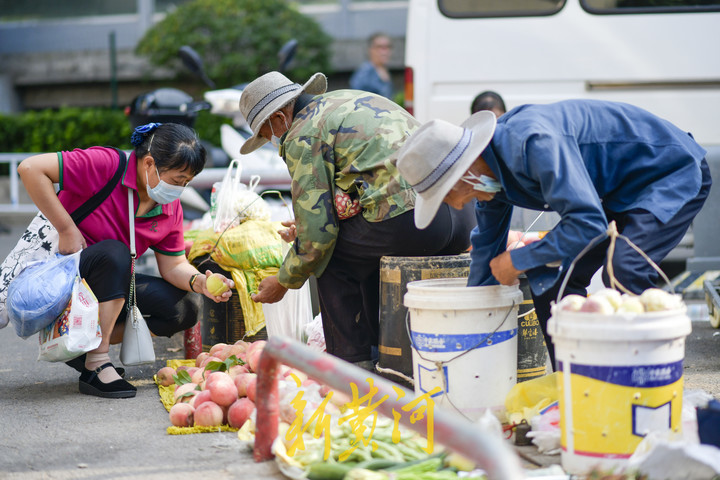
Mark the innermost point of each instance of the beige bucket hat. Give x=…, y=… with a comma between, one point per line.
x=436, y=156
x=266, y=95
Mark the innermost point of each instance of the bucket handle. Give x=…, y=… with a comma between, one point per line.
x=439, y=364
x=613, y=234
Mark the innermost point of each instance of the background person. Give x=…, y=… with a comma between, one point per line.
x=488, y=100
x=351, y=206
x=590, y=161
x=373, y=75
x=165, y=159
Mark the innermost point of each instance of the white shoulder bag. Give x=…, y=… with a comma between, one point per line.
x=137, y=345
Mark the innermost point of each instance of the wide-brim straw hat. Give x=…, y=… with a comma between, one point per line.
x=266, y=95
x=436, y=156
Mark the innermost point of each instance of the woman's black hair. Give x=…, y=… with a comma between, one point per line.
x=173, y=146
x=487, y=101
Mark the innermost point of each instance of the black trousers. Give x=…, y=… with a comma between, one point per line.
x=653, y=237
x=349, y=287
x=105, y=266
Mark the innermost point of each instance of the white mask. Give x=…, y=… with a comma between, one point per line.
x=163, y=193
x=483, y=183
x=275, y=140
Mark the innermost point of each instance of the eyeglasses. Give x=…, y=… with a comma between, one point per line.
x=383, y=46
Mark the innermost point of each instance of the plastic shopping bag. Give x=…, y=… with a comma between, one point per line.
x=76, y=330
x=40, y=293
x=289, y=316
x=236, y=202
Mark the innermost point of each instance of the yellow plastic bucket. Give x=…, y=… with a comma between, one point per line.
x=619, y=377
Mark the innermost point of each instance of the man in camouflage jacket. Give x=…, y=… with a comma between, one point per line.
x=351, y=205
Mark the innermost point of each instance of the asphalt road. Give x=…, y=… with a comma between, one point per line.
x=48, y=430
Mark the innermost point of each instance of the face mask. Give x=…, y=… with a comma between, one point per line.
x=483, y=183
x=163, y=193
x=274, y=139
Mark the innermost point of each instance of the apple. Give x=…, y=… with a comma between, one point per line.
x=216, y=284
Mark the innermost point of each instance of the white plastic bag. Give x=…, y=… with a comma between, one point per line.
x=75, y=331
x=289, y=316
x=40, y=293
x=235, y=202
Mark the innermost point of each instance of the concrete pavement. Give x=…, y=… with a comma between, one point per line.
x=48, y=430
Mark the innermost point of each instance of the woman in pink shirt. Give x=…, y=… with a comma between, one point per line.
x=166, y=157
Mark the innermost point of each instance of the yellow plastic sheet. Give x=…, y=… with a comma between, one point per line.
x=526, y=399
x=250, y=252
x=167, y=398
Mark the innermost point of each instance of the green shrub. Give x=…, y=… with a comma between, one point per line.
x=63, y=129
x=69, y=127
x=238, y=40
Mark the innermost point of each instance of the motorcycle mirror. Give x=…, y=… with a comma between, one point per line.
x=286, y=54
x=192, y=61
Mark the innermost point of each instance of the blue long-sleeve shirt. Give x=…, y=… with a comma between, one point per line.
x=366, y=78
x=576, y=157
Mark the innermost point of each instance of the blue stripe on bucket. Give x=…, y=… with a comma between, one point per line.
x=648, y=376
x=432, y=342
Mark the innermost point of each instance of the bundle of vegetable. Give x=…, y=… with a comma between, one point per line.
x=345, y=456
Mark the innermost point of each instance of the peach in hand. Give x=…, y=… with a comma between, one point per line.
x=216, y=284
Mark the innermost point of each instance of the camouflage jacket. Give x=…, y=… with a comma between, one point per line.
x=343, y=139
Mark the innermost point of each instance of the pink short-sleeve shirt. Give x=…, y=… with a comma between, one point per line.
x=83, y=173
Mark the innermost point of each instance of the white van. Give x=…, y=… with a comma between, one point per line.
x=662, y=55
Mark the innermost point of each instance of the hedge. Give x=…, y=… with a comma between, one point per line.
x=71, y=127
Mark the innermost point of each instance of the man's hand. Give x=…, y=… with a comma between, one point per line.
x=288, y=234
x=503, y=270
x=269, y=291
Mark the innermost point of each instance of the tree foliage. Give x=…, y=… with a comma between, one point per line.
x=238, y=40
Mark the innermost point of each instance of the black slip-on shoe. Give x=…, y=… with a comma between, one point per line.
x=78, y=363
x=90, y=384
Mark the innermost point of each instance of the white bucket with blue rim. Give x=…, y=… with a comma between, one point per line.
x=464, y=342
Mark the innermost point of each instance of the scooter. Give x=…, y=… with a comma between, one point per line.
x=265, y=161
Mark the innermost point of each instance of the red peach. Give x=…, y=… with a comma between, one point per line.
x=165, y=376
x=201, y=358
x=181, y=415
x=252, y=389
x=236, y=370
x=239, y=412
x=242, y=381
x=217, y=348
x=223, y=391
x=184, y=389
x=200, y=398
x=209, y=414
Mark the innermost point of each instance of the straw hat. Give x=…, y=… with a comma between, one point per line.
x=435, y=157
x=268, y=94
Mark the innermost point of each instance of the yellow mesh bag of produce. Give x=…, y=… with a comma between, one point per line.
x=250, y=252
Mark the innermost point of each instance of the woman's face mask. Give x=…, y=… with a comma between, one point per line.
x=163, y=193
